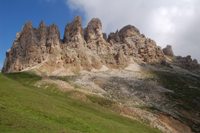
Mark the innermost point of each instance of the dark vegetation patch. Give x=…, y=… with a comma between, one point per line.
x=186, y=88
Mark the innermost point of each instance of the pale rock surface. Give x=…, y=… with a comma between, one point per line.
x=81, y=49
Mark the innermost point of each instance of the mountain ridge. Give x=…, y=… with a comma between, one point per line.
x=83, y=49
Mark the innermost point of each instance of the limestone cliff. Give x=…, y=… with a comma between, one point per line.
x=88, y=48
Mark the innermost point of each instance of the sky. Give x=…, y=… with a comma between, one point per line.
x=165, y=21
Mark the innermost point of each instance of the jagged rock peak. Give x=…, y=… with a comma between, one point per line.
x=74, y=31
x=28, y=25
x=42, y=24
x=42, y=32
x=122, y=34
x=168, y=51
x=54, y=28
x=27, y=29
x=53, y=35
x=93, y=31
x=128, y=31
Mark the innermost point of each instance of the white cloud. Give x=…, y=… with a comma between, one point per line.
x=168, y=22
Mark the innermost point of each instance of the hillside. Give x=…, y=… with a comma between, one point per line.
x=25, y=108
x=100, y=101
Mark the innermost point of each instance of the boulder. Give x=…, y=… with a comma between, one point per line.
x=168, y=51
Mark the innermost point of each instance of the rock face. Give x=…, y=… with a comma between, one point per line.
x=136, y=45
x=80, y=49
x=93, y=32
x=31, y=47
x=168, y=51
x=187, y=62
x=95, y=38
x=74, y=32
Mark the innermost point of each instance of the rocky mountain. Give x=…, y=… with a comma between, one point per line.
x=83, y=49
x=145, y=81
x=80, y=49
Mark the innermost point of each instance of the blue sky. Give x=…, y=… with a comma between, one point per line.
x=14, y=14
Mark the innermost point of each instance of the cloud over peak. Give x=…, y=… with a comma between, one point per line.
x=168, y=22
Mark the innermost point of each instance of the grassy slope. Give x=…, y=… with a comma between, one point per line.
x=27, y=109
